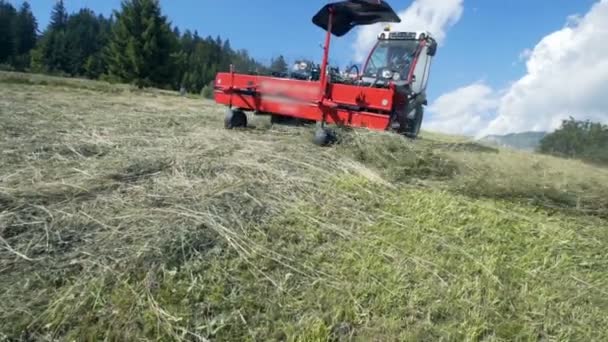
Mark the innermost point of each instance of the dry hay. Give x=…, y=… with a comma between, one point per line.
x=128, y=215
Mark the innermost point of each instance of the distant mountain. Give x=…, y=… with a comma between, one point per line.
x=528, y=141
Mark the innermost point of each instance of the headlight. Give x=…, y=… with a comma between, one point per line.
x=387, y=74
x=396, y=77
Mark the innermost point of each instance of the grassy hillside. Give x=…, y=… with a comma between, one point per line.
x=129, y=215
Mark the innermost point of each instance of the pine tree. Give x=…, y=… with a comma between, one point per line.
x=86, y=38
x=8, y=16
x=142, y=46
x=279, y=65
x=226, y=55
x=137, y=44
x=96, y=65
x=59, y=16
x=56, y=52
x=198, y=67
x=226, y=48
x=26, y=28
x=53, y=51
x=187, y=42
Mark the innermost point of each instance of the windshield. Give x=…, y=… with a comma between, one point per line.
x=392, y=55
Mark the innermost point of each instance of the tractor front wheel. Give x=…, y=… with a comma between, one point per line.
x=414, y=124
x=235, y=118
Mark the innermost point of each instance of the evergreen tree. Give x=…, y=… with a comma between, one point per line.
x=137, y=45
x=26, y=37
x=279, y=65
x=26, y=29
x=86, y=36
x=142, y=47
x=226, y=55
x=8, y=16
x=226, y=48
x=56, y=52
x=196, y=74
x=96, y=65
x=37, y=60
x=52, y=53
x=242, y=62
x=187, y=42
x=59, y=16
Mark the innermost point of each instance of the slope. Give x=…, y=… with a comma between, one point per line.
x=129, y=214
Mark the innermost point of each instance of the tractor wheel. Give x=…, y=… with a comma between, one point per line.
x=235, y=118
x=324, y=137
x=413, y=129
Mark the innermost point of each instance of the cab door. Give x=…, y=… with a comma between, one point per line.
x=422, y=70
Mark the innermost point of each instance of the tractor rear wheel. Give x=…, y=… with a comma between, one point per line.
x=235, y=118
x=324, y=137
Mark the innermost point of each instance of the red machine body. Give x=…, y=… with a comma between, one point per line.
x=340, y=104
x=367, y=100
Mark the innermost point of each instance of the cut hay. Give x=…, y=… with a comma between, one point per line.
x=134, y=215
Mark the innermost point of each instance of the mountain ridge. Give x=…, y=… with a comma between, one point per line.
x=527, y=141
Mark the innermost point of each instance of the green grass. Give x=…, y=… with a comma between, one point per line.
x=134, y=215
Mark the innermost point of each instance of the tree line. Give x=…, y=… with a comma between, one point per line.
x=578, y=139
x=137, y=44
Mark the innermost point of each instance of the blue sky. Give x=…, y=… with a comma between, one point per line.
x=484, y=44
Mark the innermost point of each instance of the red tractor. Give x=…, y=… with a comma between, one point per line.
x=387, y=94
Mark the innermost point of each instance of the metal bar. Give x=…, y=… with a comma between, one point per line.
x=231, y=84
x=326, y=56
x=410, y=75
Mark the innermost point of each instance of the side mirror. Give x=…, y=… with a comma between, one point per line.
x=432, y=48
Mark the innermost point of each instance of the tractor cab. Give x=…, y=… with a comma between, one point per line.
x=400, y=58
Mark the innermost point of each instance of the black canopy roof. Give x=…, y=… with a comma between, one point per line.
x=351, y=13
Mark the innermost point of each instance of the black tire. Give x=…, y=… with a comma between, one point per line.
x=324, y=137
x=414, y=125
x=235, y=118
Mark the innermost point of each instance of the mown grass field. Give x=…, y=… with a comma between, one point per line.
x=133, y=215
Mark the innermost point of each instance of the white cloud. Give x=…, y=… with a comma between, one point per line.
x=435, y=16
x=566, y=75
x=525, y=55
x=464, y=111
